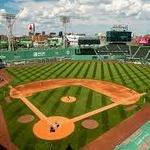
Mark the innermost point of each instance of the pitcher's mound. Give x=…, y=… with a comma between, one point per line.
x=68, y=99
x=90, y=124
x=26, y=118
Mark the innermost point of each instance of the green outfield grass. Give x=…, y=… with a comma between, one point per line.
x=136, y=77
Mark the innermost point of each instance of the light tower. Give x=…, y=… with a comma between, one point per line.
x=10, y=20
x=65, y=20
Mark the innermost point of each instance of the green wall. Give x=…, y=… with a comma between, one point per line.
x=43, y=53
x=9, y=56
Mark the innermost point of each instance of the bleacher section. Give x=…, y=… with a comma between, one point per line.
x=103, y=49
x=118, y=49
x=112, y=49
x=148, y=57
x=130, y=52
x=124, y=47
x=133, y=49
x=142, y=53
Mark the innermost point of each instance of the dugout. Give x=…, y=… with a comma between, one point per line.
x=2, y=64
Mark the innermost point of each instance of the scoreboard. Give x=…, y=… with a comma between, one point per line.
x=88, y=41
x=118, y=36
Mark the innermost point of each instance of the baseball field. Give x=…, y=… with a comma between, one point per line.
x=135, y=77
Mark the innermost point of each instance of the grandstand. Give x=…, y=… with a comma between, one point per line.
x=131, y=52
x=89, y=48
x=117, y=48
x=141, y=53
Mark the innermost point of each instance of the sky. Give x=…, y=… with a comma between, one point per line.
x=86, y=16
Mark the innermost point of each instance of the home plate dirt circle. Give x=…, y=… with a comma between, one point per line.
x=42, y=128
x=26, y=118
x=90, y=124
x=68, y=99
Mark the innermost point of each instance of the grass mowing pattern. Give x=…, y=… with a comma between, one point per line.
x=133, y=76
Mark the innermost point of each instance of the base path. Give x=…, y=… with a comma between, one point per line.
x=57, y=127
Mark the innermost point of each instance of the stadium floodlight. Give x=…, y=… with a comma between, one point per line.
x=65, y=20
x=10, y=20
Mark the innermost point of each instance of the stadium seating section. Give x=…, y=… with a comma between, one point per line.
x=104, y=50
x=134, y=52
x=142, y=52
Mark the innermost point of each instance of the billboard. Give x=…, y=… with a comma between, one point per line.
x=118, y=36
x=144, y=41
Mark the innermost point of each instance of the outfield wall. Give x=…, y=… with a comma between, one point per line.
x=35, y=54
x=14, y=56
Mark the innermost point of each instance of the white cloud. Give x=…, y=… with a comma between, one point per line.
x=120, y=7
x=45, y=14
x=1, y=18
x=2, y=11
x=146, y=7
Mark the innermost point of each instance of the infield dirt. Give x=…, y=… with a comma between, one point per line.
x=119, y=95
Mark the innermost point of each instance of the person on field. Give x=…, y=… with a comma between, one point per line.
x=68, y=97
x=54, y=127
